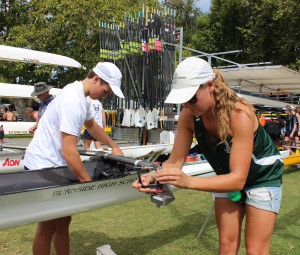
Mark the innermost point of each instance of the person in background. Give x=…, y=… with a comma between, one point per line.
x=32, y=113
x=55, y=142
x=4, y=114
x=247, y=163
x=10, y=115
x=290, y=128
x=42, y=92
x=99, y=116
x=296, y=136
x=1, y=114
x=274, y=131
x=297, y=113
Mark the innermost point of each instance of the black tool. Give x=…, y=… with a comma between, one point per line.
x=163, y=194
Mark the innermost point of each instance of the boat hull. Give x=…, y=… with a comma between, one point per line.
x=35, y=196
x=49, y=203
x=292, y=159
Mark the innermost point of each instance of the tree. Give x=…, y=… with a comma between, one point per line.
x=187, y=15
x=12, y=13
x=69, y=28
x=272, y=33
x=265, y=30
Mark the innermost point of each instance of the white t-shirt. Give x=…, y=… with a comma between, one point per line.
x=66, y=113
x=96, y=108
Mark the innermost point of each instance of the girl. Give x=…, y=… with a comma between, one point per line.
x=237, y=147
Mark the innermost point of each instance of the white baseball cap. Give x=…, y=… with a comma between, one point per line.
x=110, y=73
x=188, y=76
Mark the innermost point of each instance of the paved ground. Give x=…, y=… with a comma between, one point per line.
x=17, y=141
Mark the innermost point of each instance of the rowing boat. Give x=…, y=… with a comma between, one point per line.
x=16, y=127
x=292, y=159
x=13, y=161
x=17, y=54
x=34, y=196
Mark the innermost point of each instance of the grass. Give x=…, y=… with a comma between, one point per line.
x=18, y=136
x=138, y=227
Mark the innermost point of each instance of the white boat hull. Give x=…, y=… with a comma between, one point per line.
x=11, y=162
x=21, y=91
x=10, y=53
x=40, y=205
x=35, y=205
x=16, y=127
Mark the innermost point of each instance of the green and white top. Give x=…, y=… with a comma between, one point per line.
x=266, y=165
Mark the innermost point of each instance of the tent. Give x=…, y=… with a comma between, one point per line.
x=263, y=79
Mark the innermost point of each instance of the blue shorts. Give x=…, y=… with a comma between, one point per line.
x=264, y=198
x=87, y=136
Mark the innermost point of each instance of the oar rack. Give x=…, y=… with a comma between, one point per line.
x=142, y=45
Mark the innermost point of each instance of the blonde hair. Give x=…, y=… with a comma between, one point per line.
x=225, y=102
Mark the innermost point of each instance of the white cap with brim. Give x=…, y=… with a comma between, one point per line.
x=110, y=73
x=188, y=76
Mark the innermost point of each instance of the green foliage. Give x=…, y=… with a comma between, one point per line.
x=69, y=28
x=204, y=39
x=265, y=30
x=272, y=33
x=187, y=15
x=12, y=13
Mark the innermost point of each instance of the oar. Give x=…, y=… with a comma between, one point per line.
x=100, y=154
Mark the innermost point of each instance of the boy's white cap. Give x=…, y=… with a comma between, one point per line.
x=110, y=73
x=188, y=76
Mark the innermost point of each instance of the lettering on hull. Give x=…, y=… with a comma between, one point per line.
x=18, y=132
x=92, y=187
x=12, y=162
x=31, y=60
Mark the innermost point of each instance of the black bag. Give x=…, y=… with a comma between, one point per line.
x=273, y=129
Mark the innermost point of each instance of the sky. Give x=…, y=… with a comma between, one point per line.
x=203, y=5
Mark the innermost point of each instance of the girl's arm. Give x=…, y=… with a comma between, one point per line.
x=242, y=127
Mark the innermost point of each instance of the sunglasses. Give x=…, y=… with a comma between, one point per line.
x=194, y=99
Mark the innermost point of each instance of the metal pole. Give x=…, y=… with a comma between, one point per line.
x=180, y=57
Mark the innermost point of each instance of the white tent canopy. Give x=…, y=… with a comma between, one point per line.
x=9, y=53
x=263, y=79
x=20, y=91
x=263, y=102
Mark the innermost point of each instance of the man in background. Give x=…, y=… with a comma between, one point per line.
x=42, y=92
x=99, y=115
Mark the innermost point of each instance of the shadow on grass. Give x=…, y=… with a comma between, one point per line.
x=291, y=169
x=286, y=220
x=145, y=244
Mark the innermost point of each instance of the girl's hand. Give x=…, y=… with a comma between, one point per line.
x=147, y=179
x=173, y=176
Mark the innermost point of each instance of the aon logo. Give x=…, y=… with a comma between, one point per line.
x=12, y=162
